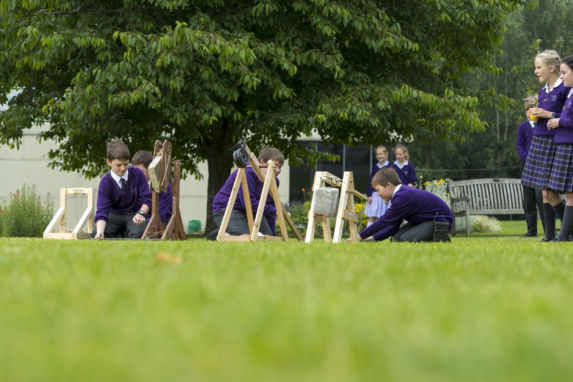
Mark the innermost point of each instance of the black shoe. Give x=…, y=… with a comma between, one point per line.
x=529, y=234
x=546, y=240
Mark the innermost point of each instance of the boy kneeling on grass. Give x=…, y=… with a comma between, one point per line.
x=123, y=197
x=421, y=209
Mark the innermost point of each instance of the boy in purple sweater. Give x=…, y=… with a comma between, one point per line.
x=421, y=209
x=142, y=159
x=238, y=223
x=123, y=198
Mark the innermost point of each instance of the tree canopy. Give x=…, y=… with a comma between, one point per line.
x=205, y=73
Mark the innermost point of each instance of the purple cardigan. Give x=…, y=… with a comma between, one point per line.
x=564, y=133
x=410, y=204
x=376, y=168
x=524, y=137
x=111, y=199
x=407, y=173
x=255, y=189
x=552, y=101
x=166, y=205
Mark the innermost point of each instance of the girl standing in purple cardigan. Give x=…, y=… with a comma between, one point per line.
x=376, y=206
x=539, y=161
x=405, y=169
x=561, y=179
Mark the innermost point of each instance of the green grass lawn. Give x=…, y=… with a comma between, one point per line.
x=495, y=307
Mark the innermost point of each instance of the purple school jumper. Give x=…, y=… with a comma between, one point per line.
x=540, y=157
x=562, y=171
x=410, y=204
x=255, y=189
x=110, y=198
x=166, y=205
x=524, y=137
x=407, y=173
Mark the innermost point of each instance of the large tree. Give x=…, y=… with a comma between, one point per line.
x=205, y=73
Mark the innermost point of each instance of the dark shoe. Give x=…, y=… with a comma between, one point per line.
x=529, y=234
x=546, y=240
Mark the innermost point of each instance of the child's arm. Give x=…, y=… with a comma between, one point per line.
x=145, y=200
x=103, y=207
x=388, y=224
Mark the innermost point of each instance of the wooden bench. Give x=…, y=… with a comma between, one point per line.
x=490, y=196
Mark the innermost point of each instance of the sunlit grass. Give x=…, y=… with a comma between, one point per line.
x=492, y=307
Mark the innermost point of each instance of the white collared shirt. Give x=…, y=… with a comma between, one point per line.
x=557, y=83
x=117, y=177
x=396, y=190
x=403, y=164
x=382, y=165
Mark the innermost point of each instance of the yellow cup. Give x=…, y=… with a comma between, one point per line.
x=533, y=118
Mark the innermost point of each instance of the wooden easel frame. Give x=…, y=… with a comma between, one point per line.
x=269, y=186
x=61, y=216
x=174, y=229
x=345, y=211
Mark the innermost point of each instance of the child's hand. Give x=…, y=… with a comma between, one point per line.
x=98, y=236
x=138, y=219
x=553, y=123
x=370, y=200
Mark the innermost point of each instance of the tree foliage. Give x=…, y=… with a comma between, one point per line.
x=205, y=73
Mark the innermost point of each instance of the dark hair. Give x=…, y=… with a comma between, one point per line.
x=385, y=176
x=117, y=150
x=568, y=61
x=269, y=153
x=142, y=157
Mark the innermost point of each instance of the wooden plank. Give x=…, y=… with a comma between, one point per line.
x=310, y=228
x=231, y=203
x=261, y=208
x=55, y=219
x=86, y=215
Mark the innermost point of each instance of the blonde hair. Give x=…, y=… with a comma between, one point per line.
x=529, y=102
x=403, y=148
x=550, y=58
x=381, y=147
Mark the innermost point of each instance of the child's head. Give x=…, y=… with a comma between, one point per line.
x=117, y=157
x=385, y=181
x=529, y=102
x=381, y=154
x=401, y=152
x=271, y=153
x=567, y=71
x=546, y=64
x=142, y=159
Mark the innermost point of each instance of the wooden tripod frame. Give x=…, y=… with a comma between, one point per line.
x=269, y=185
x=61, y=218
x=170, y=171
x=345, y=207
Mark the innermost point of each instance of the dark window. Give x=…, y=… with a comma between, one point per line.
x=352, y=158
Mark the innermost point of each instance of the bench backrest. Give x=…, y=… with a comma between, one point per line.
x=490, y=196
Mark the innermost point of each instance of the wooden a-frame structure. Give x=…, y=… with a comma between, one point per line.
x=269, y=186
x=345, y=211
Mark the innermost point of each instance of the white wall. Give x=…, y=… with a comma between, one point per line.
x=29, y=165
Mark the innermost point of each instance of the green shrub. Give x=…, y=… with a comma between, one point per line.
x=25, y=215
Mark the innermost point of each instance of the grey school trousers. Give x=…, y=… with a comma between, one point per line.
x=238, y=223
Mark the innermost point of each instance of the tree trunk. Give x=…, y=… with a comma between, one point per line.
x=219, y=162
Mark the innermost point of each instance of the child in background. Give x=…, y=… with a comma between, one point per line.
x=551, y=98
x=404, y=168
x=532, y=198
x=421, y=209
x=142, y=159
x=123, y=197
x=238, y=223
x=376, y=206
